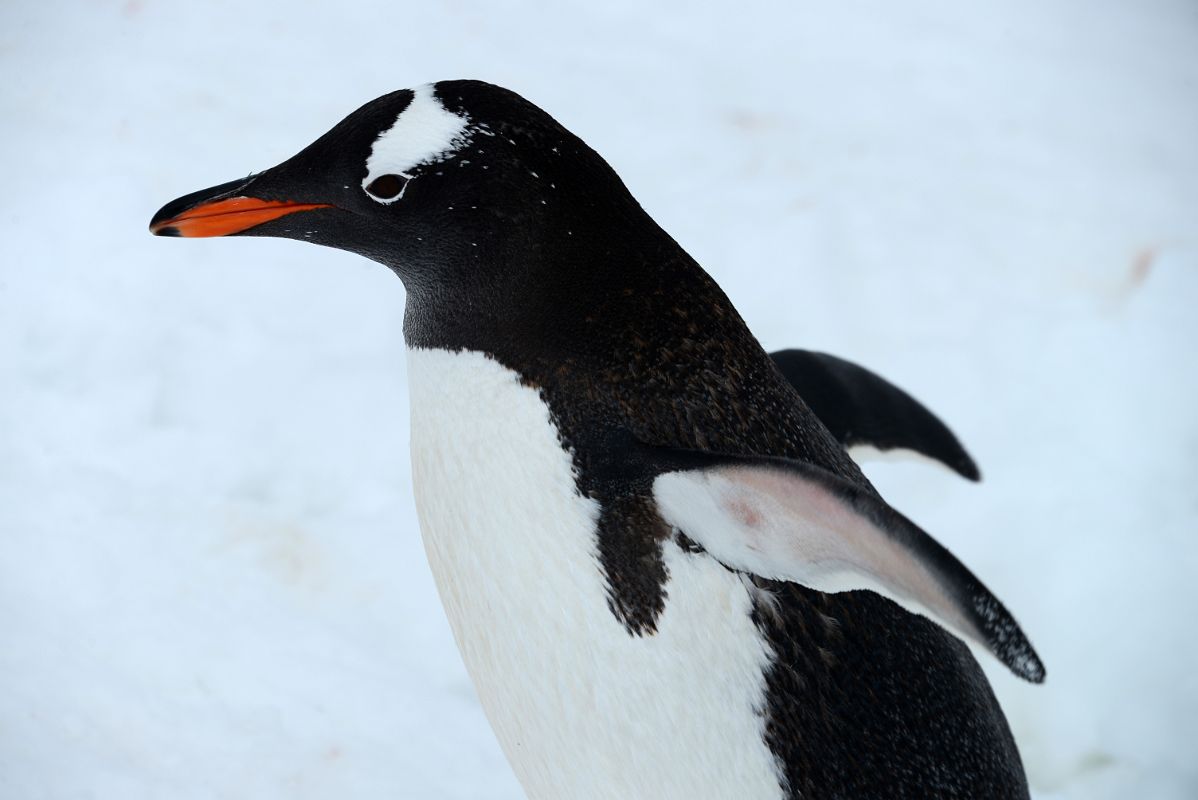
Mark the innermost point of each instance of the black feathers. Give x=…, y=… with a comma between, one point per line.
x=860, y=407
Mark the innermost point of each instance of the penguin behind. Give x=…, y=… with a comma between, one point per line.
x=665, y=574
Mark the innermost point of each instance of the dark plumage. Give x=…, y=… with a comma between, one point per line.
x=524, y=244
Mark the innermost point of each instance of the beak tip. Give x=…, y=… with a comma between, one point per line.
x=163, y=221
x=220, y=211
x=159, y=220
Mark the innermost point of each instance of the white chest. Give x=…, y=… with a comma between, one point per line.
x=582, y=708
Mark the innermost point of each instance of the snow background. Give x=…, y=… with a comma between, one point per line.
x=211, y=580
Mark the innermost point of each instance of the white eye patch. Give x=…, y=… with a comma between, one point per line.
x=423, y=132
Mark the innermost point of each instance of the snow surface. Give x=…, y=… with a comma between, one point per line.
x=211, y=582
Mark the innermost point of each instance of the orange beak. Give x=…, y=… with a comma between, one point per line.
x=225, y=217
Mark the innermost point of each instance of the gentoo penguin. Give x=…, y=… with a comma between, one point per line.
x=666, y=576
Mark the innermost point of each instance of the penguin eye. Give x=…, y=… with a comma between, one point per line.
x=386, y=187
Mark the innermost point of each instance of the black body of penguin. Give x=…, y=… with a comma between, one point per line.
x=666, y=576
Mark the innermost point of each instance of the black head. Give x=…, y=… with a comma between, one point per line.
x=474, y=196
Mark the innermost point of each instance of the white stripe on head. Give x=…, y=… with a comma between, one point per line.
x=423, y=132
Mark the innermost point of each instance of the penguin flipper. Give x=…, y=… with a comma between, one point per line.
x=861, y=408
x=786, y=520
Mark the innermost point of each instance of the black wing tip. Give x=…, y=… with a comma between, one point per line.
x=944, y=446
x=1026, y=664
x=1005, y=639
x=939, y=443
x=966, y=467
x=1038, y=674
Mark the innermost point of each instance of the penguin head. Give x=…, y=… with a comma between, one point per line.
x=450, y=184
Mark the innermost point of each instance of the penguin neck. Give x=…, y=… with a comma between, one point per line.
x=631, y=338
x=574, y=283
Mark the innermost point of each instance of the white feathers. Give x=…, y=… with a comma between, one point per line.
x=423, y=132
x=781, y=526
x=865, y=453
x=582, y=708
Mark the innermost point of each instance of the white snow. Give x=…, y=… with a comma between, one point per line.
x=211, y=583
